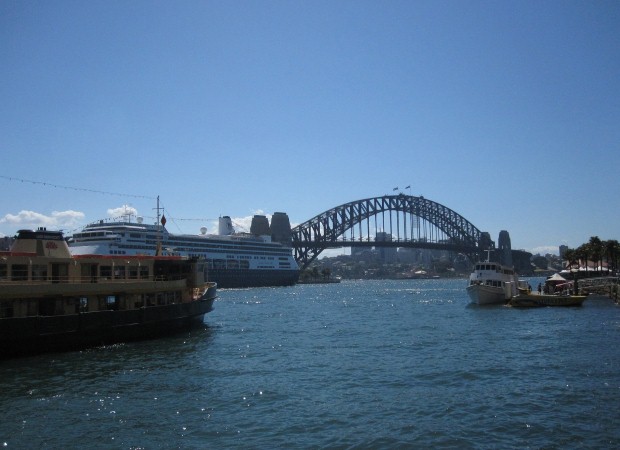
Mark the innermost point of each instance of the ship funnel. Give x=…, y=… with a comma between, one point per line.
x=260, y=226
x=225, y=226
x=281, y=228
x=41, y=243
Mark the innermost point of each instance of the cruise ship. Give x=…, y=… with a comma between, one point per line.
x=262, y=257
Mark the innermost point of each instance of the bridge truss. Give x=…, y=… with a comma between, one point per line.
x=388, y=221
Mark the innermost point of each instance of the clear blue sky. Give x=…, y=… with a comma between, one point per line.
x=507, y=112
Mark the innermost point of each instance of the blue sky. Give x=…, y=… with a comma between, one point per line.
x=506, y=112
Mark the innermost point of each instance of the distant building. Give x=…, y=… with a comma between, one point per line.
x=563, y=249
x=521, y=261
x=5, y=243
x=408, y=255
x=504, y=251
x=386, y=254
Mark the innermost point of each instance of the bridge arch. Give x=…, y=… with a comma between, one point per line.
x=401, y=220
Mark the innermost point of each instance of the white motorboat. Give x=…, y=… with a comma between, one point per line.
x=492, y=283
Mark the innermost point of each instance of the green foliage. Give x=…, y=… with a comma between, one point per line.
x=596, y=251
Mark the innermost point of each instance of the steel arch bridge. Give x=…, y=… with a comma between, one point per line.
x=396, y=221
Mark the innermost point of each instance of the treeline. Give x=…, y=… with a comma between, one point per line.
x=596, y=251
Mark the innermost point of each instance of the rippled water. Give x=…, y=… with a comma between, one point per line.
x=364, y=364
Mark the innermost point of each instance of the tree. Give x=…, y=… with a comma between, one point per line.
x=572, y=258
x=315, y=272
x=612, y=252
x=582, y=254
x=595, y=250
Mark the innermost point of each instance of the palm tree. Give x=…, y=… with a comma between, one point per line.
x=595, y=247
x=571, y=258
x=612, y=252
x=582, y=253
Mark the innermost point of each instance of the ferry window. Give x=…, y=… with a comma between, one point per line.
x=133, y=272
x=171, y=297
x=32, y=308
x=6, y=309
x=20, y=272
x=60, y=273
x=3, y=272
x=83, y=304
x=47, y=307
x=144, y=272
x=119, y=272
x=149, y=299
x=39, y=273
x=105, y=271
x=111, y=302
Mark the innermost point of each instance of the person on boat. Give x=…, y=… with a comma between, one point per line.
x=539, y=288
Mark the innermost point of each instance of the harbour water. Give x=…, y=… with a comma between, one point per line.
x=360, y=364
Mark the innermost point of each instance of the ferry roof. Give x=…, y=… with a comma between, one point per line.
x=41, y=233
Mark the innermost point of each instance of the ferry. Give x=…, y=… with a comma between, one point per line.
x=51, y=300
x=492, y=283
x=262, y=257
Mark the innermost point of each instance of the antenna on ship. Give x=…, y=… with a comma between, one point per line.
x=160, y=223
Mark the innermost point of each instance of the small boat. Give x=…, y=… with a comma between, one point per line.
x=51, y=300
x=492, y=283
x=557, y=291
x=531, y=299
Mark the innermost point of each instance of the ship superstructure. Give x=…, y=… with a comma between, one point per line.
x=262, y=257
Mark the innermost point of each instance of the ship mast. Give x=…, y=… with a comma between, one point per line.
x=160, y=223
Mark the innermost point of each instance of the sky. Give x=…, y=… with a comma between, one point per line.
x=507, y=112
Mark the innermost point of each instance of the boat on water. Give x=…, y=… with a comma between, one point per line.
x=532, y=299
x=557, y=291
x=51, y=300
x=262, y=257
x=492, y=283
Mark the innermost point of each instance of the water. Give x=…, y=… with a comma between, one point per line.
x=366, y=364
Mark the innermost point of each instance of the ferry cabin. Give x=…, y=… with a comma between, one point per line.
x=491, y=274
x=41, y=278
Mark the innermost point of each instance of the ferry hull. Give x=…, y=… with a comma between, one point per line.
x=42, y=334
x=486, y=295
